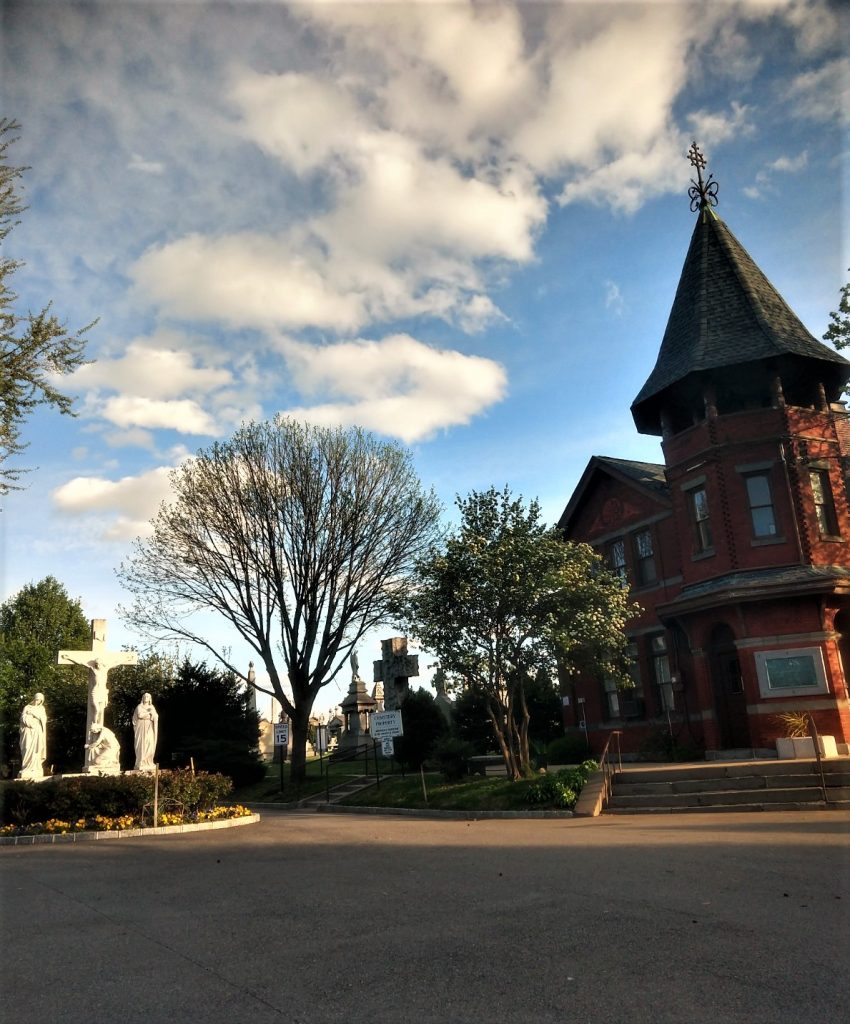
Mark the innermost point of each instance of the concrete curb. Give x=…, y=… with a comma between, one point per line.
x=128, y=833
x=423, y=812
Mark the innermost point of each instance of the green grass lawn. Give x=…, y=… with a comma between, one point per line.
x=491, y=793
x=478, y=794
x=268, y=790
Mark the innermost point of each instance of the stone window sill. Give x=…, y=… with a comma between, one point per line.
x=761, y=542
x=708, y=553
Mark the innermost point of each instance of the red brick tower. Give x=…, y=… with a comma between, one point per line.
x=754, y=616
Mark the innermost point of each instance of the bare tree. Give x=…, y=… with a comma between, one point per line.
x=300, y=537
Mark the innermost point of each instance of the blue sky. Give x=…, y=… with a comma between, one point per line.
x=459, y=225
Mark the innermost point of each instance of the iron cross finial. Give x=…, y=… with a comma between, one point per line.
x=701, y=193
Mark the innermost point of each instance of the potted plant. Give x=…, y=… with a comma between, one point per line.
x=797, y=743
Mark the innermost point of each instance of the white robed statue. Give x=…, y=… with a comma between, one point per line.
x=103, y=752
x=33, y=739
x=146, y=730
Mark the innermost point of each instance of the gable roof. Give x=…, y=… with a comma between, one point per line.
x=726, y=313
x=646, y=476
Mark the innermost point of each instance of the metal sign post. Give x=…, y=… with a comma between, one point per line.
x=281, y=739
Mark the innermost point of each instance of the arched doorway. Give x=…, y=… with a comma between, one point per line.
x=730, y=701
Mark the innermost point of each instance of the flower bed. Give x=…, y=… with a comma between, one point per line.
x=121, y=823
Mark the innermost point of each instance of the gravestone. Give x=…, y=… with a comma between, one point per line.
x=394, y=670
x=357, y=708
x=98, y=660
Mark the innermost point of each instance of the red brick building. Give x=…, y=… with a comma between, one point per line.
x=737, y=548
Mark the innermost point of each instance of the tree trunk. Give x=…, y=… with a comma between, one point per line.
x=300, y=727
x=525, y=718
x=504, y=744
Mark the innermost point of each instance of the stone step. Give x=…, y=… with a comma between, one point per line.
x=790, y=805
x=626, y=787
x=839, y=769
x=726, y=797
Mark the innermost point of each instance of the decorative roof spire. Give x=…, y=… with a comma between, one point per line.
x=703, y=194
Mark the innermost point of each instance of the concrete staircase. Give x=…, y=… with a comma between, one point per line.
x=337, y=793
x=730, y=786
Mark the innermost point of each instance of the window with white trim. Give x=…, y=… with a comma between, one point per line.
x=824, y=504
x=762, y=514
x=644, y=558
x=701, y=520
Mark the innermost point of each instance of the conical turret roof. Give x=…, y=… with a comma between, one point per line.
x=726, y=313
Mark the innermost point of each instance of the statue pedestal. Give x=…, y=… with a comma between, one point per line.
x=102, y=769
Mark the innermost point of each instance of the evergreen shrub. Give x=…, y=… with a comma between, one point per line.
x=567, y=750
x=452, y=756
x=109, y=795
x=561, y=789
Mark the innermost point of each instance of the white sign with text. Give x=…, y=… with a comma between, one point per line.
x=385, y=725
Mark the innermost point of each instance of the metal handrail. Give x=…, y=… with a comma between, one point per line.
x=607, y=768
x=813, y=732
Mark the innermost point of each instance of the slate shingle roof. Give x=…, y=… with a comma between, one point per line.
x=759, y=583
x=726, y=313
x=649, y=474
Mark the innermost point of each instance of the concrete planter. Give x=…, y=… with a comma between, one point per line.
x=803, y=747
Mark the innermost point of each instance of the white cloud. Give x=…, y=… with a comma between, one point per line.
x=405, y=202
x=135, y=499
x=245, y=279
x=603, y=97
x=301, y=119
x=396, y=386
x=138, y=163
x=822, y=94
x=626, y=182
x=711, y=127
x=613, y=297
x=791, y=164
x=148, y=370
x=764, y=181
x=184, y=415
x=133, y=437
x=816, y=25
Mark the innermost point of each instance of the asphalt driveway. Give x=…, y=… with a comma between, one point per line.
x=324, y=918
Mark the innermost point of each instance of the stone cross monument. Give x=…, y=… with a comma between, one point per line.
x=98, y=661
x=394, y=669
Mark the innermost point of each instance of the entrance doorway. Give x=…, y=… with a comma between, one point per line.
x=730, y=701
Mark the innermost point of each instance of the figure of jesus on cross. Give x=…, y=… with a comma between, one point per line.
x=98, y=661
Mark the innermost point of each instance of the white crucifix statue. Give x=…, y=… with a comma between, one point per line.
x=98, y=661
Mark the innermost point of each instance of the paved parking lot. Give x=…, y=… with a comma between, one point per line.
x=324, y=918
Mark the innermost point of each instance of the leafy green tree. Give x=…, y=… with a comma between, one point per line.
x=35, y=624
x=838, y=331
x=506, y=598
x=472, y=722
x=424, y=724
x=204, y=715
x=33, y=348
x=544, y=709
x=299, y=537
